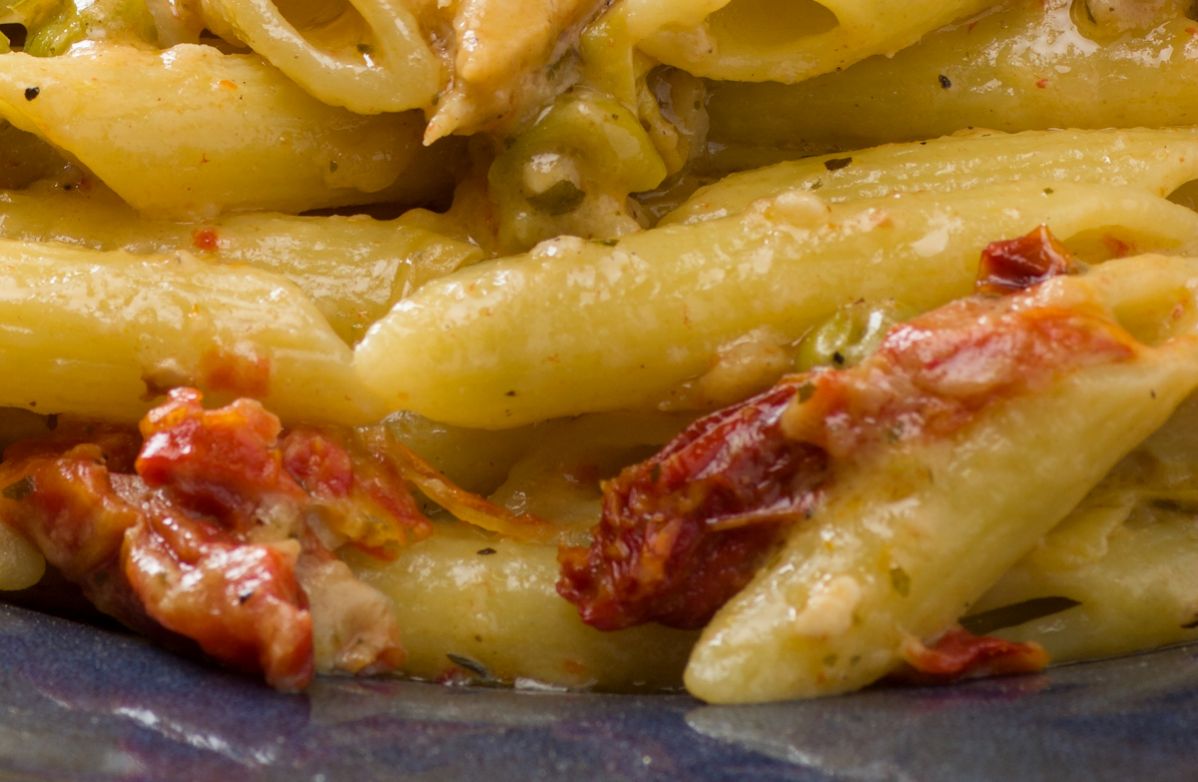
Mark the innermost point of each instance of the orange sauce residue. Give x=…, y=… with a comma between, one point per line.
x=236, y=373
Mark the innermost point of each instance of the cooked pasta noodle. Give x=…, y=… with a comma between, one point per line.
x=769, y=348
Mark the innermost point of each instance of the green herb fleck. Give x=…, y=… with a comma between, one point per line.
x=19, y=490
x=472, y=665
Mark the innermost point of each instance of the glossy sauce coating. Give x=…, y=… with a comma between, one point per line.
x=684, y=531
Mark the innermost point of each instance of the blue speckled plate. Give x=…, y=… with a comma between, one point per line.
x=82, y=703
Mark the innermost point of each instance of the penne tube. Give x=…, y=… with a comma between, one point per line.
x=1119, y=573
x=906, y=540
x=1140, y=593
x=352, y=268
x=782, y=40
x=1158, y=161
x=245, y=138
x=603, y=328
x=492, y=601
x=1021, y=66
x=101, y=335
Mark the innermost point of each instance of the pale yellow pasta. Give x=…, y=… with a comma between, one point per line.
x=950, y=515
x=501, y=610
x=245, y=138
x=21, y=564
x=229, y=213
x=1139, y=592
x=605, y=328
x=1126, y=557
x=352, y=268
x=1158, y=161
x=1025, y=66
x=558, y=475
x=366, y=55
x=782, y=40
x=103, y=334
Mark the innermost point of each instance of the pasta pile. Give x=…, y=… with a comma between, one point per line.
x=775, y=347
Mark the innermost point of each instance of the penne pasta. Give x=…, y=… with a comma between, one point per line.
x=904, y=545
x=1022, y=66
x=103, y=334
x=588, y=398
x=616, y=327
x=1158, y=161
x=1115, y=576
x=772, y=40
x=388, y=258
x=493, y=603
x=247, y=139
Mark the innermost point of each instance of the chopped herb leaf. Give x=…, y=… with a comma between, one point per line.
x=470, y=664
x=19, y=490
x=837, y=163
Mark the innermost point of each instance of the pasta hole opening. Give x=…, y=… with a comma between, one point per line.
x=15, y=33
x=1107, y=243
x=1105, y=21
x=335, y=28
x=1154, y=314
x=744, y=25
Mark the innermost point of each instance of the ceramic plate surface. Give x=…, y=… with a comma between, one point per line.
x=83, y=703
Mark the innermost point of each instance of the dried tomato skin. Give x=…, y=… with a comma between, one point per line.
x=319, y=464
x=241, y=602
x=684, y=531
x=1015, y=265
x=221, y=462
x=366, y=500
x=209, y=539
x=959, y=654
